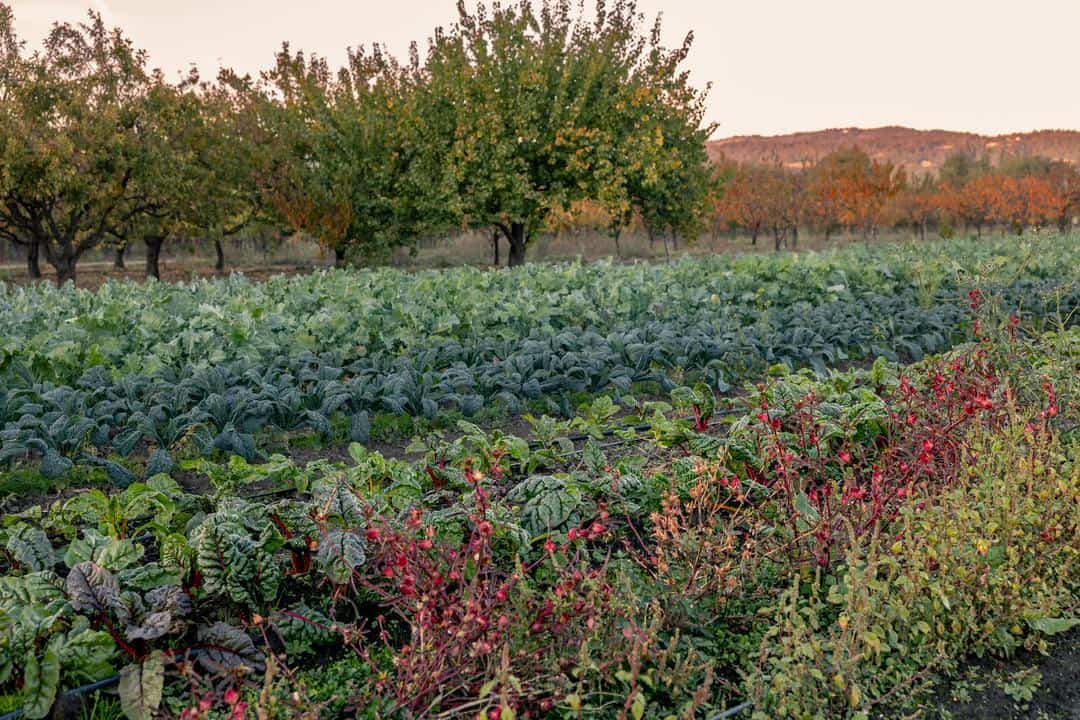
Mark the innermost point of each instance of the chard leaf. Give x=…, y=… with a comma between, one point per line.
x=141, y=686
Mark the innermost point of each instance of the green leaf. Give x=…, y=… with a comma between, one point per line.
x=112, y=554
x=94, y=590
x=341, y=553
x=30, y=547
x=141, y=686
x=1052, y=626
x=41, y=682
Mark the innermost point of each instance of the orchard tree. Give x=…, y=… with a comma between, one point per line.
x=12, y=76
x=960, y=168
x=917, y=204
x=539, y=105
x=668, y=181
x=1064, y=179
x=339, y=156
x=69, y=139
x=174, y=182
x=849, y=189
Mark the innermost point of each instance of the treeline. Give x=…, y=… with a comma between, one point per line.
x=508, y=116
x=849, y=191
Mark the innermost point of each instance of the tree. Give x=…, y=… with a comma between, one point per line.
x=69, y=138
x=960, y=168
x=1064, y=179
x=538, y=102
x=12, y=69
x=339, y=155
x=670, y=185
x=917, y=204
x=849, y=189
x=745, y=199
x=175, y=181
x=973, y=203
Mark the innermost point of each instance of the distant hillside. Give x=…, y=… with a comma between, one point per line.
x=919, y=151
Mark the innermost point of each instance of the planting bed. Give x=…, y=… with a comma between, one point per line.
x=820, y=543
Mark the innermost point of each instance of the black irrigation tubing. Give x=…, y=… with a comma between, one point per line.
x=536, y=445
x=114, y=679
x=70, y=694
x=77, y=692
x=730, y=712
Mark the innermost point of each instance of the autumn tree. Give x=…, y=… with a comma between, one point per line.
x=1064, y=180
x=975, y=203
x=549, y=107
x=848, y=189
x=916, y=204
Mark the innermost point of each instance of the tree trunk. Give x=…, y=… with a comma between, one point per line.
x=615, y=237
x=495, y=259
x=517, y=240
x=794, y=236
x=753, y=236
x=339, y=256
x=153, y=255
x=777, y=237
x=65, y=269
x=220, y=264
x=33, y=260
x=674, y=241
x=118, y=257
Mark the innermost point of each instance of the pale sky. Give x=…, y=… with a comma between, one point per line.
x=777, y=66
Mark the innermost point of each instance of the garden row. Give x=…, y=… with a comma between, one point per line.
x=132, y=328
x=821, y=554
x=220, y=388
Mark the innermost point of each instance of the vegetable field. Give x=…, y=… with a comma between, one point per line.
x=795, y=486
x=136, y=371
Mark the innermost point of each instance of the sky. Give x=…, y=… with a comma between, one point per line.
x=776, y=66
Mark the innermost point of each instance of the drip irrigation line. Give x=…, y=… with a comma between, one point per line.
x=730, y=712
x=77, y=692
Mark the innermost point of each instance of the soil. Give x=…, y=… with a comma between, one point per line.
x=1056, y=696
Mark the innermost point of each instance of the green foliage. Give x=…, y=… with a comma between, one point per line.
x=539, y=107
x=214, y=369
x=662, y=566
x=960, y=573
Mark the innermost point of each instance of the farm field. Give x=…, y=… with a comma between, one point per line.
x=801, y=485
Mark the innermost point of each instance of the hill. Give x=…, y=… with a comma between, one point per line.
x=919, y=151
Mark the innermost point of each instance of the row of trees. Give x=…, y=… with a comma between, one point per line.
x=511, y=115
x=850, y=191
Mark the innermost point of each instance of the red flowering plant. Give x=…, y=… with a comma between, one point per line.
x=468, y=632
x=848, y=452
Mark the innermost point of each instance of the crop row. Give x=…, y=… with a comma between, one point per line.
x=128, y=328
x=224, y=407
